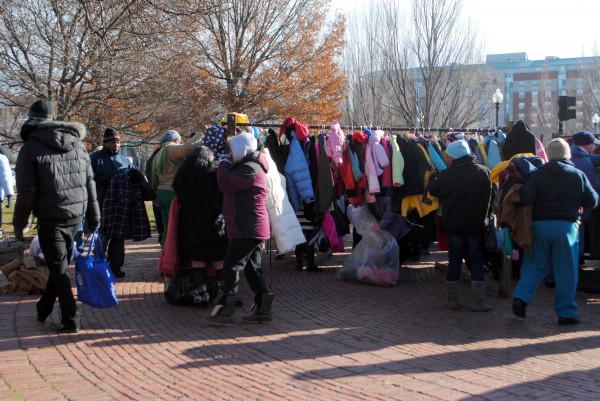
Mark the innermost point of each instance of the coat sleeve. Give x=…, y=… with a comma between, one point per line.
x=379, y=155
x=234, y=179
x=590, y=196
x=436, y=184
x=93, y=209
x=5, y=178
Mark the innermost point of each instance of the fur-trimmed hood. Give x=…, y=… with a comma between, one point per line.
x=59, y=135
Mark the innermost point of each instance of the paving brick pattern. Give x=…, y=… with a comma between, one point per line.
x=330, y=340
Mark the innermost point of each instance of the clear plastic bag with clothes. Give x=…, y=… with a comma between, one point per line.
x=375, y=259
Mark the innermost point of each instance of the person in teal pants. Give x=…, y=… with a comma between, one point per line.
x=558, y=193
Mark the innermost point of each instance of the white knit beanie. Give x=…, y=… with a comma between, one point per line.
x=558, y=149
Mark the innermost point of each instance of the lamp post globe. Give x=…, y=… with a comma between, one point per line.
x=497, y=99
x=595, y=121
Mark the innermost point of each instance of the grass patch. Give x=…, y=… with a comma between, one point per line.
x=7, y=218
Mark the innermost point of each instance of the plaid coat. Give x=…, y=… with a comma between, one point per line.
x=124, y=213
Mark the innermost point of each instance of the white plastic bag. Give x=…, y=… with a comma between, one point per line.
x=376, y=258
x=36, y=250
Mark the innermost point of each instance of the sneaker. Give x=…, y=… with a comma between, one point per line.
x=568, y=320
x=519, y=308
x=279, y=256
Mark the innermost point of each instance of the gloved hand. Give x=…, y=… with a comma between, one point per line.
x=19, y=234
x=9, y=201
x=225, y=158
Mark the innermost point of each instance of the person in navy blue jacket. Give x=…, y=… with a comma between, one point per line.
x=557, y=192
x=584, y=160
x=107, y=163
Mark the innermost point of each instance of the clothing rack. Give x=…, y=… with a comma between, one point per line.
x=231, y=124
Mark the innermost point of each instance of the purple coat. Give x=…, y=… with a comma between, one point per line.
x=244, y=187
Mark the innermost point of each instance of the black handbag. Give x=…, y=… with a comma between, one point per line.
x=494, y=237
x=178, y=291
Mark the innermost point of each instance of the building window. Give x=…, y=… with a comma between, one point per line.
x=521, y=95
x=522, y=116
x=521, y=106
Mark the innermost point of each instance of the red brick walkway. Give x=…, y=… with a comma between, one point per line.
x=330, y=340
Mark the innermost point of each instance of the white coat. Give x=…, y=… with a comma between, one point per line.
x=6, y=179
x=284, y=223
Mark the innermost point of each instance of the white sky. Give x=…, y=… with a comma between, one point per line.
x=540, y=28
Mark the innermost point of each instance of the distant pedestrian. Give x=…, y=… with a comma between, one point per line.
x=107, y=164
x=557, y=192
x=583, y=159
x=56, y=183
x=164, y=167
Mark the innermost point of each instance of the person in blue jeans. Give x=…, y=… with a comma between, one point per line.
x=558, y=193
x=465, y=193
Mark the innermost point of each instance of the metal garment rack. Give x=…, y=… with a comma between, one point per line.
x=231, y=124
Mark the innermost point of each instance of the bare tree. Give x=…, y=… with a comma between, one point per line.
x=104, y=62
x=589, y=90
x=429, y=62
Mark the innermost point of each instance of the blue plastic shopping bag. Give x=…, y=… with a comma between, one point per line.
x=95, y=281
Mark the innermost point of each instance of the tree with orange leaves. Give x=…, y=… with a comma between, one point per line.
x=272, y=58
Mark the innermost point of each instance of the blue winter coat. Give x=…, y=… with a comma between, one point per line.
x=106, y=166
x=586, y=163
x=298, y=176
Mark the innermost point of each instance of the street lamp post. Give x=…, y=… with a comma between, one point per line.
x=497, y=99
x=595, y=120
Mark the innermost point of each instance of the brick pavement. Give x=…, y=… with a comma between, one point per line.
x=330, y=340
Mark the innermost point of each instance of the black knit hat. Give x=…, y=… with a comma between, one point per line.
x=111, y=135
x=42, y=109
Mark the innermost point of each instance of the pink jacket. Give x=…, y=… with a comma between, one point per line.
x=335, y=144
x=375, y=161
x=169, y=257
x=386, y=178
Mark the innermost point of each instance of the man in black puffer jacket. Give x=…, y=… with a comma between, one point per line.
x=465, y=192
x=56, y=184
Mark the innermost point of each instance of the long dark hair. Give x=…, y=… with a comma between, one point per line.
x=199, y=162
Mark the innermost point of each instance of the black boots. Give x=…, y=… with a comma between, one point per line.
x=519, y=308
x=201, y=292
x=222, y=314
x=261, y=313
